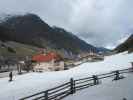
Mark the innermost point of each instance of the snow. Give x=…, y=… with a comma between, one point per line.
x=116, y=90
x=28, y=84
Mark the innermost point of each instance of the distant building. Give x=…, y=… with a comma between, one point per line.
x=48, y=62
x=90, y=56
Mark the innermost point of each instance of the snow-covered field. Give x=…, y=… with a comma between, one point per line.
x=116, y=90
x=25, y=85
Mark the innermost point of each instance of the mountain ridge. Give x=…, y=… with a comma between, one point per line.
x=125, y=46
x=30, y=29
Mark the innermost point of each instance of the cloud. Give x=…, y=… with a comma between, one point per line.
x=99, y=22
x=103, y=22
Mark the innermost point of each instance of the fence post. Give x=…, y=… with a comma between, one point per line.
x=132, y=66
x=46, y=95
x=72, y=86
x=117, y=75
x=95, y=79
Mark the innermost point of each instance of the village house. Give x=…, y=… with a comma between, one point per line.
x=47, y=62
x=90, y=56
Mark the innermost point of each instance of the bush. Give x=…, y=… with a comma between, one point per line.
x=11, y=50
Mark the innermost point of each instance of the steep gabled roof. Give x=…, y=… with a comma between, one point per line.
x=46, y=58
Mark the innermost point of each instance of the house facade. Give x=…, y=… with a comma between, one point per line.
x=48, y=62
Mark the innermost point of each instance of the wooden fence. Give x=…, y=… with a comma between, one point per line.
x=72, y=86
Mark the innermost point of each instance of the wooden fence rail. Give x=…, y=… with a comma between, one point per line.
x=59, y=92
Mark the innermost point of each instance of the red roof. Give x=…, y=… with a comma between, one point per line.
x=46, y=58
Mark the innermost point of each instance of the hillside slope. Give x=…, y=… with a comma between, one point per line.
x=30, y=29
x=126, y=46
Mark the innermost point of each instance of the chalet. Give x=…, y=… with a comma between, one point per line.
x=48, y=62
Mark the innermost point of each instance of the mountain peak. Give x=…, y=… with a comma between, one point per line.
x=32, y=30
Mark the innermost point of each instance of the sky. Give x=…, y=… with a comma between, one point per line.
x=104, y=23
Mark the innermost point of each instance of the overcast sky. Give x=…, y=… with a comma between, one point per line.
x=99, y=22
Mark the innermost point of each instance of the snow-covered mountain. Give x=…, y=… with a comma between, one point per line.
x=126, y=45
x=4, y=17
